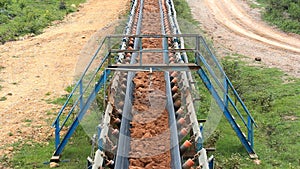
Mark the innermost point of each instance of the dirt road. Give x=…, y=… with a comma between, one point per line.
x=40, y=68
x=237, y=28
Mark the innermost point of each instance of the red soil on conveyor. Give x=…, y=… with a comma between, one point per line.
x=150, y=134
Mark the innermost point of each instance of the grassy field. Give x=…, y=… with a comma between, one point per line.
x=21, y=17
x=273, y=99
x=37, y=155
x=271, y=96
x=285, y=14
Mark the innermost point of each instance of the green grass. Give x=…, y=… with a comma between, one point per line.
x=183, y=11
x=277, y=138
x=285, y=14
x=21, y=17
x=28, y=120
x=258, y=4
x=1, y=68
x=10, y=134
x=69, y=88
x=59, y=101
x=37, y=155
x=3, y=98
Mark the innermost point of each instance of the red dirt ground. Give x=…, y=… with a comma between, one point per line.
x=41, y=67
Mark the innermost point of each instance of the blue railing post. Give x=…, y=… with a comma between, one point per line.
x=250, y=131
x=109, y=47
x=197, y=43
x=138, y=45
x=225, y=92
x=211, y=163
x=57, y=136
x=99, y=140
x=140, y=40
x=165, y=50
x=104, y=84
x=109, y=43
x=81, y=94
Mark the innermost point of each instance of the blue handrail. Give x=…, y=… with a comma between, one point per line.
x=78, y=83
x=203, y=55
x=227, y=80
x=84, y=91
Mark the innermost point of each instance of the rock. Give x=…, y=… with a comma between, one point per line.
x=73, y=6
x=54, y=165
x=147, y=135
x=29, y=143
x=10, y=148
x=258, y=59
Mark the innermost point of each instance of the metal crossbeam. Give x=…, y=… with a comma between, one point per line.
x=154, y=67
